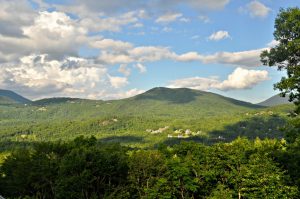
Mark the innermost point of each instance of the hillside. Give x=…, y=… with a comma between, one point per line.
x=275, y=100
x=10, y=97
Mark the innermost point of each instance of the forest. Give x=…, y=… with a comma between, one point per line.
x=86, y=168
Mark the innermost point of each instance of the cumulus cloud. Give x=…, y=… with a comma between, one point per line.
x=243, y=79
x=52, y=33
x=39, y=76
x=219, y=35
x=36, y=74
x=240, y=79
x=256, y=9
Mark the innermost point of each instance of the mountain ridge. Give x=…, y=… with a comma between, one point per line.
x=275, y=100
x=10, y=97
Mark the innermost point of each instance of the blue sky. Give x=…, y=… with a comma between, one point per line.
x=119, y=48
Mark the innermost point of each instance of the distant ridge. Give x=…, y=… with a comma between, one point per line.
x=156, y=101
x=55, y=100
x=275, y=100
x=10, y=97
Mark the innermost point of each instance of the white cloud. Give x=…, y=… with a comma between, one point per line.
x=52, y=33
x=190, y=56
x=256, y=9
x=240, y=79
x=243, y=79
x=128, y=53
x=138, y=54
x=141, y=67
x=110, y=58
x=117, y=82
x=168, y=17
x=109, y=44
x=219, y=35
x=37, y=75
x=249, y=58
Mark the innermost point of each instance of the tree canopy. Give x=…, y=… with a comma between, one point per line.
x=286, y=54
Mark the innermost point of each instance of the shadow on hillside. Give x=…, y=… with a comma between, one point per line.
x=261, y=127
x=178, y=96
x=123, y=139
x=173, y=141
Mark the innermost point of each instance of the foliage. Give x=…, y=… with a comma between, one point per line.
x=85, y=168
x=286, y=54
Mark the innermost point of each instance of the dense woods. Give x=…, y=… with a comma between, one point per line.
x=85, y=168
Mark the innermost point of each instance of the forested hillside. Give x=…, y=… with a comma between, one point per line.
x=158, y=115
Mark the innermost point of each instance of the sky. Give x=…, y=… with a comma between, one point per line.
x=119, y=48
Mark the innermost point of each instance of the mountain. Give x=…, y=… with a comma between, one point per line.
x=10, y=97
x=275, y=100
x=178, y=102
x=181, y=103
